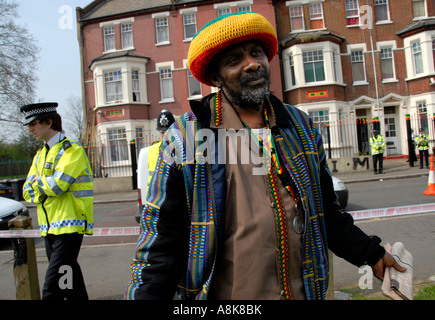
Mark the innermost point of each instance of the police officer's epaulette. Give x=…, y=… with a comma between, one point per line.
x=66, y=144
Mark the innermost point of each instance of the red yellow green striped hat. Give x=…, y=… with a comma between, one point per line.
x=225, y=31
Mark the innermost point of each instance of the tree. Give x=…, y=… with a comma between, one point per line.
x=18, y=61
x=72, y=118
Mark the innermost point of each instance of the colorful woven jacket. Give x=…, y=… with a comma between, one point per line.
x=182, y=220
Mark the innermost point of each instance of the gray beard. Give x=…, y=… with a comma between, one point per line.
x=250, y=97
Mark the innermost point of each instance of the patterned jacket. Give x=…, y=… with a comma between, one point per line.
x=182, y=221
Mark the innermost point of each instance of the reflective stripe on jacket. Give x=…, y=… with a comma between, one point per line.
x=377, y=144
x=63, y=191
x=422, y=142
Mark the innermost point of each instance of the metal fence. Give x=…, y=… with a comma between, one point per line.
x=12, y=169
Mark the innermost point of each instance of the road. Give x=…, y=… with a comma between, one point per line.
x=106, y=267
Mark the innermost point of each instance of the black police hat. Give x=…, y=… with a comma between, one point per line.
x=33, y=111
x=164, y=120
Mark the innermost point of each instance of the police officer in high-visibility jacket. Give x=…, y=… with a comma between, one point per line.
x=60, y=182
x=164, y=121
x=377, y=142
x=422, y=142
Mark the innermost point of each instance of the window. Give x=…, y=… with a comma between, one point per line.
x=292, y=71
x=313, y=66
x=166, y=87
x=417, y=58
x=352, y=13
x=194, y=85
x=357, y=61
x=387, y=63
x=189, y=23
x=316, y=15
x=162, y=31
x=422, y=115
x=433, y=52
x=126, y=36
x=419, y=7
x=109, y=38
x=140, y=141
x=135, y=87
x=243, y=8
x=222, y=11
x=321, y=119
x=118, y=144
x=113, y=86
x=296, y=18
x=381, y=8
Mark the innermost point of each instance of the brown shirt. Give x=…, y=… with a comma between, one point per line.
x=247, y=266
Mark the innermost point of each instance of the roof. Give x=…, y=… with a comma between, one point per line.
x=120, y=54
x=311, y=36
x=107, y=8
x=419, y=25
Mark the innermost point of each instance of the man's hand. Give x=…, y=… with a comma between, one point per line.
x=386, y=261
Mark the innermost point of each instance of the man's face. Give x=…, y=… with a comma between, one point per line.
x=243, y=72
x=41, y=131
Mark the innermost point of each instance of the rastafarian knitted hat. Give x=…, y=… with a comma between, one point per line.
x=225, y=31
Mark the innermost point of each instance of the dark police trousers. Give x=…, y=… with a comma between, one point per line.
x=64, y=278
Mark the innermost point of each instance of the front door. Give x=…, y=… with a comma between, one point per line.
x=391, y=132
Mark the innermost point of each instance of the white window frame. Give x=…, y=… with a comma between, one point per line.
x=314, y=57
x=117, y=82
x=425, y=39
x=386, y=3
x=192, y=13
x=417, y=53
x=332, y=77
x=393, y=46
x=112, y=25
x=159, y=17
x=169, y=81
x=423, y=2
x=357, y=15
x=190, y=78
x=363, y=49
x=301, y=16
x=127, y=31
x=135, y=85
x=120, y=144
x=310, y=6
x=109, y=32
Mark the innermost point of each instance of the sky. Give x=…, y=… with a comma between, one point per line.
x=52, y=24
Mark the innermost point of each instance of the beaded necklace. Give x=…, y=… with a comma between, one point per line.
x=272, y=168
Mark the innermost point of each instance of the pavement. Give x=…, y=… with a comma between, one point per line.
x=106, y=268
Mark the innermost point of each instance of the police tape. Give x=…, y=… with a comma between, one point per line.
x=392, y=211
x=134, y=231
x=98, y=232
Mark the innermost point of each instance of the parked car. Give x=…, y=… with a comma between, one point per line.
x=6, y=191
x=341, y=191
x=10, y=209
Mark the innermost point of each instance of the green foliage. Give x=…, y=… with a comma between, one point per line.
x=23, y=148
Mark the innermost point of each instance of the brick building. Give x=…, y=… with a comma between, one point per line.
x=134, y=56
x=330, y=64
x=351, y=76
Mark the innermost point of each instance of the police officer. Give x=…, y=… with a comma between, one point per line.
x=60, y=183
x=377, y=142
x=164, y=121
x=422, y=142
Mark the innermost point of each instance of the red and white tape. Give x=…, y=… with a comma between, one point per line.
x=134, y=231
x=98, y=232
x=392, y=211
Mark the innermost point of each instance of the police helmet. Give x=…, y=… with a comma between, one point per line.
x=164, y=120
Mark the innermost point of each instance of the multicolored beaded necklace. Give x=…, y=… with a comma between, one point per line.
x=280, y=217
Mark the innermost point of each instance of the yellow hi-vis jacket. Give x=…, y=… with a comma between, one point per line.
x=64, y=190
x=153, y=155
x=377, y=144
x=422, y=142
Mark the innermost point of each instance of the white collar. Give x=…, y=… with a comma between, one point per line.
x=55, y=139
